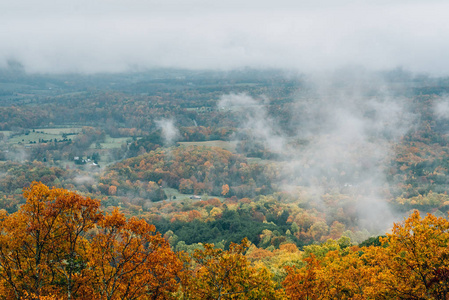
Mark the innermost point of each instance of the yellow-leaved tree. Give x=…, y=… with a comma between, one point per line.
x=411, y=263
x=219, y=274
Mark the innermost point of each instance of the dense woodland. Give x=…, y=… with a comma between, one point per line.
x=60, y=245
x=173, y=184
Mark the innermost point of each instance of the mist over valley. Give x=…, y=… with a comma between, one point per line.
x=224, y=150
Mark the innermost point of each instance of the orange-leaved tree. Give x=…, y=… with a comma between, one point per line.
x=304, y=283
x=41, y=244
x=59, y=245
x=129, y=260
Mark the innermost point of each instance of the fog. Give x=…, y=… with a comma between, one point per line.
x=263, y=128
x=441, y=108
x=169, y=131
x=112, y=36
x=342, y=130
x=342, y=140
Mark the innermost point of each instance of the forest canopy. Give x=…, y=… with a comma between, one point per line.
x=60, y=245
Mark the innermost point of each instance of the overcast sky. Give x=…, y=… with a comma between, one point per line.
x=312, y=35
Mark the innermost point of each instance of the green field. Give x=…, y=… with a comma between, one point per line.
x=33, y=136
x=57, y=133
x=60, y=130
x=260, y=161
x=227, y=145
x=5, y=133
x=179, y=197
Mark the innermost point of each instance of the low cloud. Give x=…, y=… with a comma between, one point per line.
x=441, y=108
x=169, y=131
x=84, y=179
x=111, y=36
x=341, y=142
x=256, y=120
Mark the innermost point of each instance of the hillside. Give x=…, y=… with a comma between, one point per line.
x=290, y=178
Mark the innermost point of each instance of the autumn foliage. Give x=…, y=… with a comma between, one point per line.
x=61, y=245
x=219, y=274
x=412, y=263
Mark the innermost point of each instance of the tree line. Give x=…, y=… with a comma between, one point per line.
x=60, y=245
